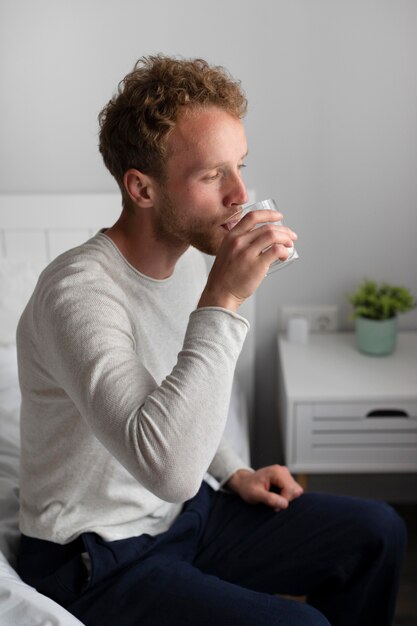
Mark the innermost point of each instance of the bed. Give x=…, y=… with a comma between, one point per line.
x=33, y=230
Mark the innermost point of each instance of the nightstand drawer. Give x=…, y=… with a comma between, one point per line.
x=364, y=437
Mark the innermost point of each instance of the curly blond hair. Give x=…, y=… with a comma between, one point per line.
x=136, y=122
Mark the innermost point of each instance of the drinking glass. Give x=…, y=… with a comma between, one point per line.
x=270, y=205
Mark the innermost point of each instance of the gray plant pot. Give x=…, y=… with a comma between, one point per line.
x=377, y=337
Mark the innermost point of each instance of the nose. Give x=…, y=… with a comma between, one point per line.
x=236, y=193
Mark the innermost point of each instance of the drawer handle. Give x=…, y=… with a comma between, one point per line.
x=387, y=413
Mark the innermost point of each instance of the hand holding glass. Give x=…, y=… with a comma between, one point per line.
x=271, y=206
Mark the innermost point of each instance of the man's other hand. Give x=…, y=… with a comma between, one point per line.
x=272, y=485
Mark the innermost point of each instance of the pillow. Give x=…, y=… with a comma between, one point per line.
x=22, y=605
x=17, y=282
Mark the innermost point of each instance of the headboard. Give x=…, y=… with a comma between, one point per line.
x=39, y=227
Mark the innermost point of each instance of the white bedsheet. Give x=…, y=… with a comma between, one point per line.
x=21, y=605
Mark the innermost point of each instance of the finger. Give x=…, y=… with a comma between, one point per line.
x=279, y=477
x=253, y=218
x=275, y=252
x=269, y=255
x=266, y=236
x=272, y=499
x=292, y=491
x=276, y=501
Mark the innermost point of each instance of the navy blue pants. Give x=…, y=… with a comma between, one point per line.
x=223, y=562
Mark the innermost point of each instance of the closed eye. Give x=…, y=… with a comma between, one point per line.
x=213, y=177
x=220, y=173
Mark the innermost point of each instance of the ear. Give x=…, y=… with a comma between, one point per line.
x=140, y=188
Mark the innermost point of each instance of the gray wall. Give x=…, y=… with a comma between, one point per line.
x=332, y=127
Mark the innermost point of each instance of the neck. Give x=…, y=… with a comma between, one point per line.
x=134, y=235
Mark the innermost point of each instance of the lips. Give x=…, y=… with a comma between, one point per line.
x=230, y=224
x=232, y=220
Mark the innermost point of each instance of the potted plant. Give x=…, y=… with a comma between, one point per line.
x=375, y=310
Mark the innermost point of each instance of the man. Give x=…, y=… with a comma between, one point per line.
x=127, y=353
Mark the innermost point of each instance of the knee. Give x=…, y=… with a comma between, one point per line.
x=385, y=526
x=309, y=616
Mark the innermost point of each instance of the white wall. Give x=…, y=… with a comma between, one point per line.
x=332, y=126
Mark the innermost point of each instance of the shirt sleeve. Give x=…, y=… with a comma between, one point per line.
x=225, y=463
x=168, y=434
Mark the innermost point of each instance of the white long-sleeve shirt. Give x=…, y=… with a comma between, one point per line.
x=125, y=391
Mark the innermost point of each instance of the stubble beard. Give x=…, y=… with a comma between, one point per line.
x=170, y=228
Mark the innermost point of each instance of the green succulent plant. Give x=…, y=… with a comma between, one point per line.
x=380, y=302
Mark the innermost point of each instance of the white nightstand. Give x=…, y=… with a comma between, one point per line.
x=342, y=411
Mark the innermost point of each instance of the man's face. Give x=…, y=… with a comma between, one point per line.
x=203, y=186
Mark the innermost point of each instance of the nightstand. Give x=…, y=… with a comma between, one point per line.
x=343, y=411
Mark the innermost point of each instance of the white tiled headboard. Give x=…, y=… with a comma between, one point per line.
x=39, y=227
